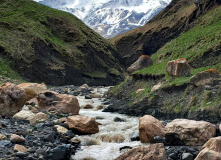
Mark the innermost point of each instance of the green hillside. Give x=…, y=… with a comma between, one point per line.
x=201, y=46
x=176, y=97
x=46, y=45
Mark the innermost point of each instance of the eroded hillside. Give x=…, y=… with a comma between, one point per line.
x=46, y=45
x=178, y=17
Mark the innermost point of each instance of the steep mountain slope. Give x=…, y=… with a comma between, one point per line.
x=178, y=17
x=110, y=17
x=54, y=47
x=178, y=97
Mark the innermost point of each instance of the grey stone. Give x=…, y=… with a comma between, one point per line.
x=187, y=156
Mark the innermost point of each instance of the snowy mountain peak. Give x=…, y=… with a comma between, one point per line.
x=110, y=17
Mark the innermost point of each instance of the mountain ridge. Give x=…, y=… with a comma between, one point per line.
x=165, y=26
x=110, y=17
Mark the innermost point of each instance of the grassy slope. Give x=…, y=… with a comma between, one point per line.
x=202, y=40
x=23, y=22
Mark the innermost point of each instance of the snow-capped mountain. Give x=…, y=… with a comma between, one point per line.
x=110, y=17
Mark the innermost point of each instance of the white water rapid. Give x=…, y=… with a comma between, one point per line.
x=106, y=144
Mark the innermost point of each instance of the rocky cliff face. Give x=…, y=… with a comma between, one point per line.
x=55, y=47
x=110, y=17
x=178, y=17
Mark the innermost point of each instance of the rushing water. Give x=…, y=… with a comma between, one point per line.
x=106, y=144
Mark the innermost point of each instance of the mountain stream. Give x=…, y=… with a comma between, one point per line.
x=112, y=135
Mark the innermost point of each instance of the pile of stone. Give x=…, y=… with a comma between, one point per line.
x=182, y=139
x=37, y=123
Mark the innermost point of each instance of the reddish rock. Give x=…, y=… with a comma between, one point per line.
x=32, y=89
x=149, y=127
x=151, y=152
x=16, y=138
x=189, y=132
x=204, y=77
x=58, y=103
x=20, y=148
x=142, y=62
x=88, y=106
x=42, y=117
x=83, y=124
x=178, y=68
x=12, y=99
x=211, y=150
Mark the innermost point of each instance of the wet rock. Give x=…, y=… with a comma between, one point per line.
x=149, y=127
x=83, y=124
x=106, y=103
x=46, y=134
x=117, y=119
x=154, y=151
x=69, y=134
x=135, y=136
x=99, y=107
x=142, y=62
x=159, y=139
x=32, y=89
x=61, y=152
x=211, y=150
x=189, y=132
x=17, y=139
x=95, y=96
x=204, y=77
x=187, y=156
x=88, y=106
x=87, y=97
x=125, y=148
x=2, y=137
x=58, y=103
x=4, y=143
x=21, y=155
x=12, y=99
x=178, y=68
x=173, y=156
x=114, y=138
x=20, y=148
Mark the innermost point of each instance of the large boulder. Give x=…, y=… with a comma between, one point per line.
x=189, y=132
x=58, y=103
x=204, y=77
x=151, y=152
x=12, y=99
x=149, y=127
x=83, y=124
x=32, y=89
x=178, y=68
x=142, y=62
x=211, y=150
